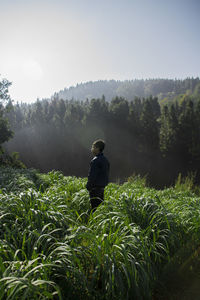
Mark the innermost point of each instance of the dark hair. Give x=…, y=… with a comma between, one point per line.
x=100, y=144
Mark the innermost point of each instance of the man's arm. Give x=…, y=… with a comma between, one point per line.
x=92, y=175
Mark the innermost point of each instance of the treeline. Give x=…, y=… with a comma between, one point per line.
x=129, y=89
x=141, y=136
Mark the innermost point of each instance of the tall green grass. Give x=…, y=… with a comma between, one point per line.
x=52, y=247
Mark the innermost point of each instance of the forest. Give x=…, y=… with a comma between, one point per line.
x=164, y=89
x=154, y=137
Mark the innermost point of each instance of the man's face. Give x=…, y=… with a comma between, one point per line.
x=95, y=150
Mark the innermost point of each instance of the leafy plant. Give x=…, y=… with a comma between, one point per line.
x=52, y=247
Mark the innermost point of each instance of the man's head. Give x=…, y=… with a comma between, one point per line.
x=98, y=147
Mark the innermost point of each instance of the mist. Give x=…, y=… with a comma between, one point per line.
x=139, y=134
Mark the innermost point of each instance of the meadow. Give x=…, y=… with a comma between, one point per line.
x=141, y=243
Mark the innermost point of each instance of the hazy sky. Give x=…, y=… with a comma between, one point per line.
x=46, y=46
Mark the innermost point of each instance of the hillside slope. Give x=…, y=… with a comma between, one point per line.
x=129, y=89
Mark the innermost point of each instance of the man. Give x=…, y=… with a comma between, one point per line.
x=98, y=174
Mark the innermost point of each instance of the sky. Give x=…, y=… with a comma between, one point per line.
x=49, y=45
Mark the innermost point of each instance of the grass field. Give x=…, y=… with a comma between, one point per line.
x=141, y=243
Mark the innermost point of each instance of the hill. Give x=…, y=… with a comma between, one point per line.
x=140, y=244
x=142, y=136
x=129, y=89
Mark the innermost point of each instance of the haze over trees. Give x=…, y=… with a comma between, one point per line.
x=130, y=89
x=144, y=135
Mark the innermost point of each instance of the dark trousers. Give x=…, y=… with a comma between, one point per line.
x=96, y=197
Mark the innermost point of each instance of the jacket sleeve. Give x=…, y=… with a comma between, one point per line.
x=92, y=175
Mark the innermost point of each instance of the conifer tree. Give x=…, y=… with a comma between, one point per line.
x=5, y=104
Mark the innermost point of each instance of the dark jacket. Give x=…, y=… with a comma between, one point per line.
x=98, y=172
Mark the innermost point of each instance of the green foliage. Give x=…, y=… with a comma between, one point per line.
x=137, y=180
x=187, y=183
x=5, y=104
x=51, y=247
x=11, y=160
